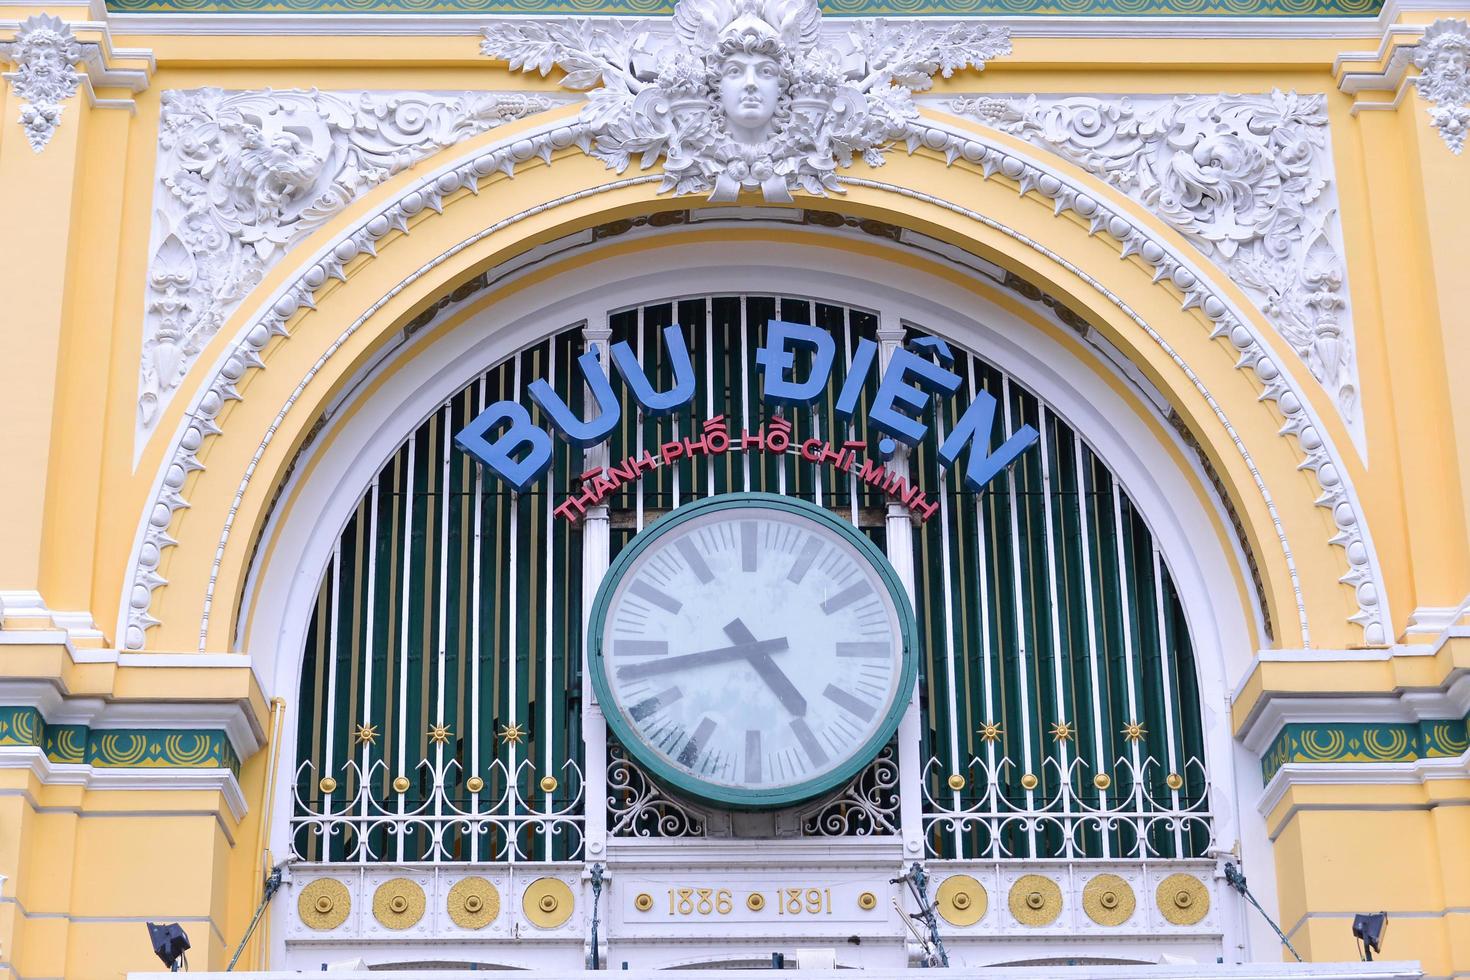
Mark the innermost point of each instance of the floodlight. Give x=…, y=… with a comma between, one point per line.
x=1369, y=927
x=169, y=942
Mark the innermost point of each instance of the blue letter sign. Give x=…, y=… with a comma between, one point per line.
x=517, y=452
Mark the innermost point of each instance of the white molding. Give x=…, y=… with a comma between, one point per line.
x=1449, y=701
x=159, y=779
x=1439, y=621
x=1414, y=773
x=1411, y=707
x=1377, y=970
x=411, y=25
x=75, y=628
x=353, y=445
x=1171, y=263
x=235, y=718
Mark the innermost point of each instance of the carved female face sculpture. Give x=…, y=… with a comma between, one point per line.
x=750, y=86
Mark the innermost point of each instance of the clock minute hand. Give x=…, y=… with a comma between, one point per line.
x=762, y=648
x=773, y=675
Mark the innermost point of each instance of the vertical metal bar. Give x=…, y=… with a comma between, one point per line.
x=1058, y=675
x=982, y=561
x=1125, y=596
x=1168, y=688
x=549, y=616
x=367, y=674
x=405, y=600
x=638, y=426
x=442, y=655
x=709, y=384
x=744, y=361
x=951, y=684
x=475, y=593
x=847, y=359
x=795, y=436
x=511, y=685
x=329, y=756
x=673, y=417
x=1021, y=652
x=1089, y=602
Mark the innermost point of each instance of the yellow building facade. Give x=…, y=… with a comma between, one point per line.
x=251, y=250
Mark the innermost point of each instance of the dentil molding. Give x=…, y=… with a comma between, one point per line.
x=1247, y=178
x=45, y=53
x=732, y=86
x=243, y=176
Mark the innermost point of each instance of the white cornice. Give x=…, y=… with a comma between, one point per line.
x=234, y=717
x=88, y=777
x=1361, y=774
x=400, y=25
x=1448, y=701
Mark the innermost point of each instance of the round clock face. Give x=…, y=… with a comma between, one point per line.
x=752, y=650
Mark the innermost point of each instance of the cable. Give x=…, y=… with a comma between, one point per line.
x=272, y=885
x=1235, y=878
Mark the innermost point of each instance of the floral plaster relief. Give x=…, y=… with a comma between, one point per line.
x=1247, y=178
x=244, y=176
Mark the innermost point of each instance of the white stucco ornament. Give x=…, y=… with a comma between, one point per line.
x=1443, y=60
x=45, y=53
x=244, y=176
x=745, y=96
x=1247, y=178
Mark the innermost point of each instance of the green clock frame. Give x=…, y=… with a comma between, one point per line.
x=747, y=799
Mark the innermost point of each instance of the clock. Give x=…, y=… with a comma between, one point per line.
x=752, y=650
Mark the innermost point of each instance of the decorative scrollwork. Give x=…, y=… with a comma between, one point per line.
x=637, y=807
x=866, y=806
x=436, y=819
x=747, y=96
x=1069, y=813
x=1247, y=178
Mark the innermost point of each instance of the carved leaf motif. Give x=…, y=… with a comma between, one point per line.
x=1245, y=177
x=244, y=176
x=849, y=96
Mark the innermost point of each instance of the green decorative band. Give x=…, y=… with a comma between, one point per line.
x=22, y=726
x=837, y=8
x=1369, y=742
x=114, y=748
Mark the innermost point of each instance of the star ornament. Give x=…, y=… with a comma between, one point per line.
x=438, y=734
x=1063, y=731
x=512, y=734
x=990, y=731
x=366, y=735
x=1134, y=731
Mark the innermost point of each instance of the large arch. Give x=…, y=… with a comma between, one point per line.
x=1266, y=431
x=382, y=405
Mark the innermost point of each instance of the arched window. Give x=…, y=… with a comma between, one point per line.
x=441, y=694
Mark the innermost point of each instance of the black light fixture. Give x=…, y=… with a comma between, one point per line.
x=1368, y=928
x=169, y=942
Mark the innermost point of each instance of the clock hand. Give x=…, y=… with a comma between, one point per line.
x=773, y=675
x=718, y=655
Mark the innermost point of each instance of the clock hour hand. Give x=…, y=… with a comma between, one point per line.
x=773, y=675
x=662, y=665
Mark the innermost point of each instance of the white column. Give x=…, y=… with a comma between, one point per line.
x=596, y=555
x=900, y=539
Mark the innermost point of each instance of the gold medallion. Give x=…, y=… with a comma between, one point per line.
x=473, y=903
x=398, y=903
x=961, y=900
x=547, y=902
x=1108, y=900
x=1035, y=900
x=324, y=904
